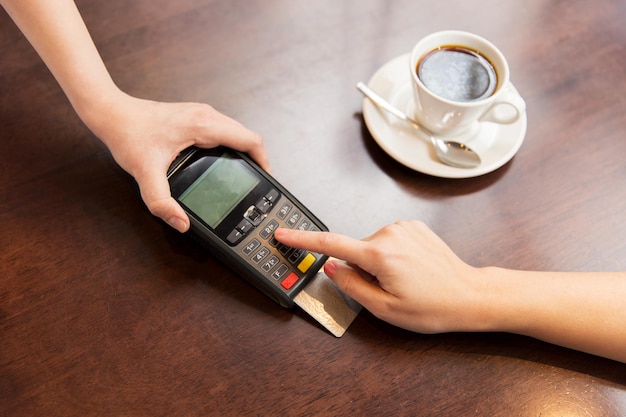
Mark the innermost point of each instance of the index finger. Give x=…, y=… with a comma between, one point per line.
x=331, y=244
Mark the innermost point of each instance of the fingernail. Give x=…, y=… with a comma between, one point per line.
x=178, y=224
x=329, y=269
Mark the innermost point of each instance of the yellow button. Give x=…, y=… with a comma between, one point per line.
x=306, y=263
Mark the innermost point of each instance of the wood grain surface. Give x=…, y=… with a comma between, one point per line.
x=106, y=311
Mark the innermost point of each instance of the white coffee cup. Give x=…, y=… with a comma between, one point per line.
x=447, y=114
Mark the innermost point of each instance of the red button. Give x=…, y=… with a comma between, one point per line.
x=289, y=281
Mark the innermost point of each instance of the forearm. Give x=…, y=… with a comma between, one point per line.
x=57, y=32
x=144, y=136
x=582, y=311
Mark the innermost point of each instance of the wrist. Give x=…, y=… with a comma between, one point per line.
x=514, y=301
x=494, y=309
x=98, y=108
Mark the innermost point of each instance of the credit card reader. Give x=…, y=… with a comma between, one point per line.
x=234, y=207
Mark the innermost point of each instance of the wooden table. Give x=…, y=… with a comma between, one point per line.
x=106, y=311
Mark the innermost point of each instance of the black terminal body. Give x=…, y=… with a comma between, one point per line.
x=234, y=207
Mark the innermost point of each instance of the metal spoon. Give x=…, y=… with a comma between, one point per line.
x=449, y=152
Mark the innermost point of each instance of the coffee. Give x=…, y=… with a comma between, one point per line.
x=457, y=73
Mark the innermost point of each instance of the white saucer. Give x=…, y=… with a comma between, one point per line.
x=495, y=143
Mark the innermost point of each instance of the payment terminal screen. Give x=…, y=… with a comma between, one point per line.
x=218, y=190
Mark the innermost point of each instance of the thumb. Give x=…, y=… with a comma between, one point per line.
x=155, y=192
x=364, y=290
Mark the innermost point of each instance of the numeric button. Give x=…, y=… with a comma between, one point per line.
x=251, y=247
x=293, y=219
x=305, y=224
x=260, y=255
x=270, y=263
x=269, y=229
x=284, y=210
